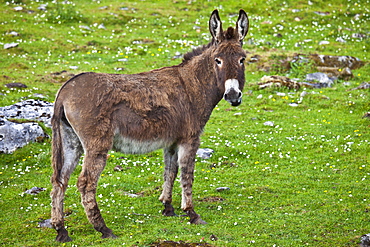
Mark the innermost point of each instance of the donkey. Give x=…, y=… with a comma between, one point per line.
x=139, y=113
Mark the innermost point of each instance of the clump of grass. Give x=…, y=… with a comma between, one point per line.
x=64, y=12
x=300, y=67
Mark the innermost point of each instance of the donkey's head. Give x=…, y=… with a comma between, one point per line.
x=229, y=56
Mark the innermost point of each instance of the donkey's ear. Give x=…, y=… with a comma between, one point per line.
x=242, y=25
x=215, y=26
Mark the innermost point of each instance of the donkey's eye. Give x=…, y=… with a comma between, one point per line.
x=242, y=60
x=218, y=61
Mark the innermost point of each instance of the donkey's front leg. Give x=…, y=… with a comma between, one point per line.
x=87, y=184
x=186, y=159
x=169, y=176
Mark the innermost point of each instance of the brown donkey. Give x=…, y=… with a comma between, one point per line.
x=135, y=114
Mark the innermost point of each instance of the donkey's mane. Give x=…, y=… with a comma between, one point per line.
x=197, y=51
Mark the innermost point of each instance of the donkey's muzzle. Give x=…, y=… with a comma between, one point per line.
x=232, y=94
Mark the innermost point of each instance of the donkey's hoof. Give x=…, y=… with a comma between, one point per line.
x=63, y=238
x=168, y=213
x=168, y=210
x=198, y=221
x=195, y=218
x=108, y=235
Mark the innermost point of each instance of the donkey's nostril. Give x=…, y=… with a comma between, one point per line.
x=239, y=94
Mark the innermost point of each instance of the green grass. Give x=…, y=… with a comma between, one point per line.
x=301, y=182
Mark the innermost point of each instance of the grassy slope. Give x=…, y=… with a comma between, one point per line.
x=303, y=181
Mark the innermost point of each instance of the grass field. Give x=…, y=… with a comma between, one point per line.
x=302, y=180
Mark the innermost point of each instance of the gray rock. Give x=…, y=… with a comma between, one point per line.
x=222, y=188
x=16, y=135
x=46, y=223
x=324, y=42
x=34, y=190
x=269, y=123
x=13, y=33
x=365, y=240
x=15, y=85
x=38, y=110
x=205, y=153
x=101, y=26
x=42, y=7
x=10, y=45
x=321, y=78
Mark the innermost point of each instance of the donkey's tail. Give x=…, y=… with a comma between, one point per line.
x=57, y=159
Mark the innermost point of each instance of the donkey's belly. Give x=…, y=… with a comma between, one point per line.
x=132, y=146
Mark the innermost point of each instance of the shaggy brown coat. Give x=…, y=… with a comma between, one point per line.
x=163, y=108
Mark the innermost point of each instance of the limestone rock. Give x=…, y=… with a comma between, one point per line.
x=278, y=81
x=16, y=135
x=337, y=61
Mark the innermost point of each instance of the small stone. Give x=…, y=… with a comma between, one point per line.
x=39, y=95
x=322, y=13
x=15, y=85
x=269, y=123
x=365, y=240
x=101, y=26
x=341, y=40
x=222, y=188
x=85, y=27
x=324, y=42
x=304, y=93
x=13, y=33
x=34, y=190
x=366, y=115
x=46, y=224
x=205, y=153
x=118, y=168
x=177, y=55
x=10, y=45
x=213, y=238
x=42, y=7
x=130, y=195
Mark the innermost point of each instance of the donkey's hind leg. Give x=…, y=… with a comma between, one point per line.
x=170, y=173
x=94, y=163
x=71, y=151
x=187, y=154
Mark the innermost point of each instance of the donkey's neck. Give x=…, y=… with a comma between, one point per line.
x=205, y=73
x=199, y=71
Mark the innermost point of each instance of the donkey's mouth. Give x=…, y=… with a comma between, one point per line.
x=236, y=103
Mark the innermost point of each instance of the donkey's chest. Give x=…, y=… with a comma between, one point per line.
x=132, y=146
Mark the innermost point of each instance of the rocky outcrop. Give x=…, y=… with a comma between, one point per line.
x=16, y=134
